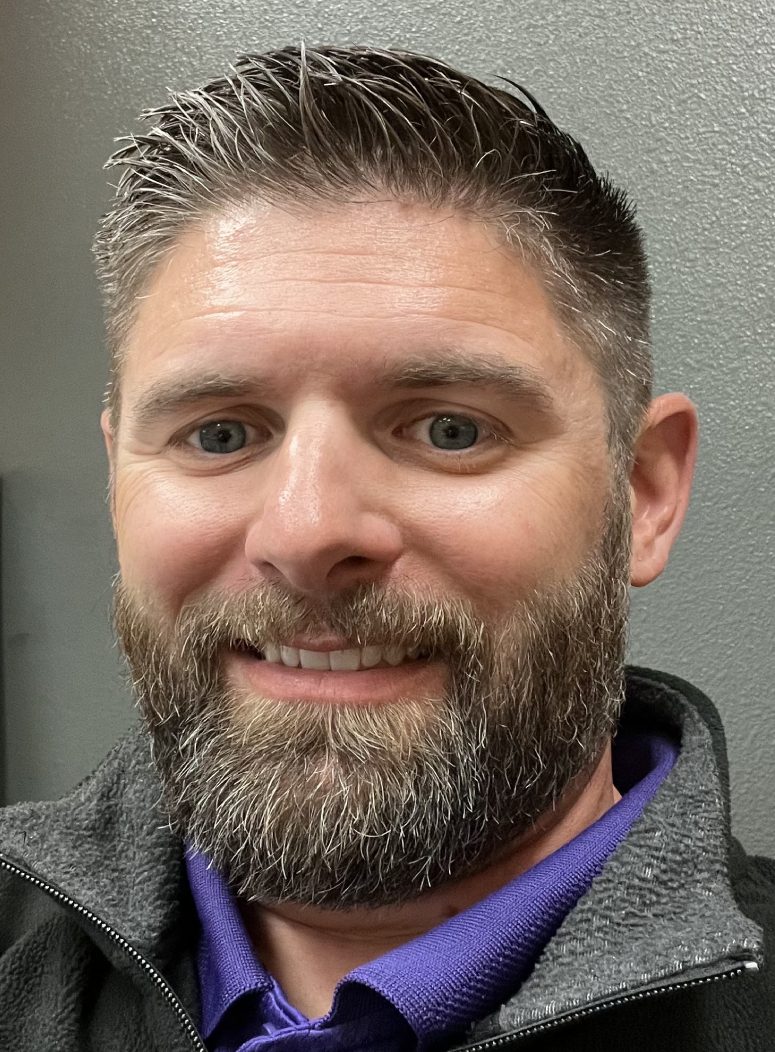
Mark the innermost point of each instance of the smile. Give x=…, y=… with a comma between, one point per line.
x=353, y=659
x=353, y=675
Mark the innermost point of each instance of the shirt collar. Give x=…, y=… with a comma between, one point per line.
x=463, y=968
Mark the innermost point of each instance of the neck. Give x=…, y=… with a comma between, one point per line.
x=308, y=949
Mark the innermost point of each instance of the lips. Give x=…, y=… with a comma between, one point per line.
x=334, y=675
x=352, y=659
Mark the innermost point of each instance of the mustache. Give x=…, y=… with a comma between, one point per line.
x=267, y=613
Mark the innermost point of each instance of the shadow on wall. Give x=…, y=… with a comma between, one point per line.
x=2, y=651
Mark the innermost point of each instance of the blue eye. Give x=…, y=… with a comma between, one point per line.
x=221, y=436
x=453, y=432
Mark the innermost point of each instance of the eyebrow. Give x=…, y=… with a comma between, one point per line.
x=167, y=397
x=445, y=368
x=516, y=381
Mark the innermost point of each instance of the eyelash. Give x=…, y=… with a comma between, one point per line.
x=488, y=435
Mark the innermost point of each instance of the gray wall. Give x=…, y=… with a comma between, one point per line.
x=671, y=97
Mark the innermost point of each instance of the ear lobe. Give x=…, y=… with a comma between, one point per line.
x=660, y=483
x=107, y=433
x=108, y=437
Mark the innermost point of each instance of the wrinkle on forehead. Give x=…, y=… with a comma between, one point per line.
x=336, y=247
x=355, y=272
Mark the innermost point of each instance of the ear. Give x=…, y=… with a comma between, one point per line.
x=110, y=449
x=660, y=483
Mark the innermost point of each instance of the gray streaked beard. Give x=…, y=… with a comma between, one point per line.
x=345, y=806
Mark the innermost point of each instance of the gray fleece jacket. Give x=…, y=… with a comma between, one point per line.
x=671, y=948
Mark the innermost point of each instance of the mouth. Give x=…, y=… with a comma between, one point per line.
x=351, y=659
x=334, y=674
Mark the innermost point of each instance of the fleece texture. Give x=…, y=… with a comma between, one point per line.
x=671, y=947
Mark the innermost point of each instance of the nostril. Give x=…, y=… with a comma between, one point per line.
x=355, y=561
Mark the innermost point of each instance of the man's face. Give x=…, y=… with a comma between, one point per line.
x=358, y=431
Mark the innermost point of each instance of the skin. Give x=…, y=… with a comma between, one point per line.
x=340, y=483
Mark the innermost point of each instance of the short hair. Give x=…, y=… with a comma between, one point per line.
x=334, y=124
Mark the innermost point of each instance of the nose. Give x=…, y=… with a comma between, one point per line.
x=322, y=523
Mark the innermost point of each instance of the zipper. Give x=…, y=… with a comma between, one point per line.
x=192, y=1034
x=602, y=1006
x=184, y=1019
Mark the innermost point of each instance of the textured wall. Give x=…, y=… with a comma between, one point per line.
x=670, y=97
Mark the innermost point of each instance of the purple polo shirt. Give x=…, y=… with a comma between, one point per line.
x=429, y=989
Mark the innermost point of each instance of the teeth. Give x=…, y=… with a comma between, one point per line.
x=290, y=656
x=337, y=660
x=314, y=659
x=394, y=655
x=345, y=660
x=371, y=656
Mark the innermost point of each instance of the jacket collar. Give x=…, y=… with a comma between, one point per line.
x=662, y=909
x=107, y=846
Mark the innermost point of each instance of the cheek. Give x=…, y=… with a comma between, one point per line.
x=498, y=540
x=174, y=539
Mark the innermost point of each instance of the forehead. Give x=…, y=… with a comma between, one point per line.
x=339, y=289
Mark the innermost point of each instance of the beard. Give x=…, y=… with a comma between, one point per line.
x=344, y=806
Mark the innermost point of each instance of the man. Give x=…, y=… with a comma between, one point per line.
x=384, y=461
